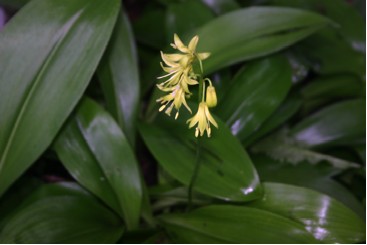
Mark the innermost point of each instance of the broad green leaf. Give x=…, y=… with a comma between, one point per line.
x=96, y=152
x=281, y=146
x=324, y=90
x=225, y=172
x=148, y=28
x=361, y=150
x=168, y=196
x=3, y=17
x=256, y=92
x=325, y=218
x=339, y=124
x=63, y=219
x=11, y=200
x=119, y=77
x=304, y=174
x=285, y=111
x=253, y=32
x=16, y=4
x=333, y=87
x=78, y=159
x=233, y=224
x=328, y=53
x=44, y=71
x=350, y=23
x=178, y=22
x=222, y=6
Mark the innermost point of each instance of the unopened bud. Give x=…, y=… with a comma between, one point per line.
x=211, y=96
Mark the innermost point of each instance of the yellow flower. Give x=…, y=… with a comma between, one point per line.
x=190, y=50
x=179, y=75
x=202, y=118
x=211, y=96
x=175, y=98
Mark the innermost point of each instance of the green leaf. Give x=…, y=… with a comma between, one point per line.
x=225, y=172
x=63, y=219
x=16, y=4
x=11, y=200
x=361, y=151
x=95, y=151
x=284, y=112
x=148, y=28
x=333, y=87
x=304, y=174
x=256, y=92
x=254, y=32
x=233, y=224
x=119, y=77
x=350, y=23
x=339, y=124
x=168, y=196
x=319, y=52
x=222, y=6
x=324, y=90
x=328, y=220
x=45, y=69
x=178, y=22
x=281, y=147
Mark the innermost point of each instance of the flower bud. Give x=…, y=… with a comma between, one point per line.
x=211, y=96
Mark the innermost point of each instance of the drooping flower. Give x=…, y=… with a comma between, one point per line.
x=202, y=118
x=211, y=96
x=174, y=99
x=180, y=74
x=189, y=50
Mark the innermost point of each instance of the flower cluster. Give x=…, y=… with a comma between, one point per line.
x=180, y=75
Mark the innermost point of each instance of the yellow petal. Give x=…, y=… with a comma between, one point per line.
x=179, y=44
x=203, y=56
x=193, y=43
x=168, y=69
x=210, y=118
x=174, y=57
x=168, y=61
x=186, y=105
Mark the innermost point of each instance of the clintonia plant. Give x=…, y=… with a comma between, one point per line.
x=88, y=154
x=181, y=74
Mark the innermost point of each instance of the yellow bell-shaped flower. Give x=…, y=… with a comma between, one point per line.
x=202, y=118
x=211, y=96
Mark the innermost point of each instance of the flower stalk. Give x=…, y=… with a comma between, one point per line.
x=180, y=76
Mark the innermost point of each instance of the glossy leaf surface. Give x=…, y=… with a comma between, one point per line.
x=333, y=87
x=45, y=69
x=233, y=224
x=350, y=22
x=257, y=90
x=14, y=3
x=285, y=111
x=339, y=124
x=318, y=178
x=63, y=219
x=222, y=6
x=177, y=20
x=226, y=171
x=319, y=51
x=252, y=35
x=328, y=220
x=119, y=77
x=95, y=151
x=282, y=147
x=148, y=28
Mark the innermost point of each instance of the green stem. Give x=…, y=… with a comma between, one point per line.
x=201, y=90
x=195, y=173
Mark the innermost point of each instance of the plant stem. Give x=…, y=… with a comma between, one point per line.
x=195, y=173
